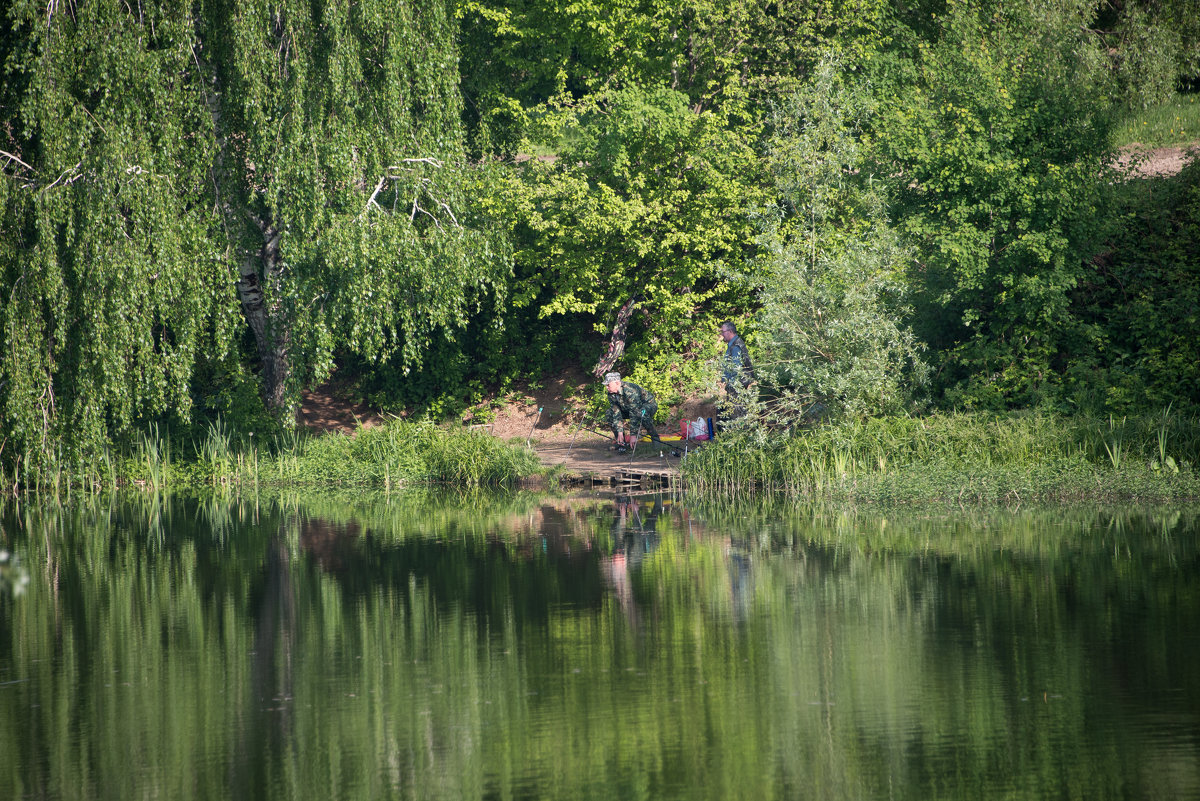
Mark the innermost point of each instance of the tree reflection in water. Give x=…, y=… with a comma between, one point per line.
x=471, y=647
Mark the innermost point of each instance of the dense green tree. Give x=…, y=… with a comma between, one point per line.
x=832, y=333
x=646, y=118
x=341, y=178
x=1148, y=47
x=644, y=206
x=1154, y=46
x=996, y=127
x=1139, y=303
x=114, y=281
x=724, y=55
x=157, y=156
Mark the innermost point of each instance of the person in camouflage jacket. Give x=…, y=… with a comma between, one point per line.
x=630, y=405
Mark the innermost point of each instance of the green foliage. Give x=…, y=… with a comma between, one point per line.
x=196, y=198
x=647, y=200
x=729, y=57
x=644, y=119
x=157, y=157
x=975, y=456
x=115, y=281
x=388, y=456
x=1139, y=303
x=831, y=329
x=1154, y=46
x=401, y=452
x=998, y=133
x=342, y=142
x=1148, y=61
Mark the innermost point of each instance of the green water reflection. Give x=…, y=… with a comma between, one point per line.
x=529, y=646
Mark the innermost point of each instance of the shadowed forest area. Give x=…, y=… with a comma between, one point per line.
x=909, y=209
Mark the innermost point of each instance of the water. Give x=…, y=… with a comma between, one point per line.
x=594, y=648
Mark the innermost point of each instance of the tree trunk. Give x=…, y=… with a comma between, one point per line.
x=616, y=345
x=256, y=265
x=269, y=337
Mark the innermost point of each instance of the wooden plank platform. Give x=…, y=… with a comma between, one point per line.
x=592, y=463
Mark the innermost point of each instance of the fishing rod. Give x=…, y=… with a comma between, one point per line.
x=675, y=449
x=576, y=434
x=536, y=420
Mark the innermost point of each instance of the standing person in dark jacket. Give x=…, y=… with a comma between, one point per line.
x=630, y=405
x=737, y=373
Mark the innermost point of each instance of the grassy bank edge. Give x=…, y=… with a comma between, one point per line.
x=1014, y=457
x=399, y=453
x=963, y=458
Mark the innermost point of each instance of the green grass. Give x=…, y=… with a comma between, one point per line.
x=964, y=457
x=399, y=453
x=389, y=456
x=1173, y=124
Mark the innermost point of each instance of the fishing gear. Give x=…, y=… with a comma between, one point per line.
x=576, y=434
x=532, y=427
x=637, y=437
x=676, y=450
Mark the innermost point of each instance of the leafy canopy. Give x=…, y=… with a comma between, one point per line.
x=993, y=131
x=179, y=177
x=832, y=335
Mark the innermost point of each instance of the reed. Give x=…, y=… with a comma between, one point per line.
x=843, y=458
x=467, y=458
x=215, y=457
x=154, y=451
x=402, y=452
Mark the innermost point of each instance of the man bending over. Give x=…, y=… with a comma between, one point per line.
x=630, y=406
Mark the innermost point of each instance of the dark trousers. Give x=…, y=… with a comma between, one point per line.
x=738, y=407
x=645, y=426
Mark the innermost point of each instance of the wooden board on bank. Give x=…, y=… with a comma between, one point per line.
x=592, y=462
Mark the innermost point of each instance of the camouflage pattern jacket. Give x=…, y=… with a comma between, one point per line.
x=629, y=404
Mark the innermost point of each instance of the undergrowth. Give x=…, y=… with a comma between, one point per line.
x=967, y=457
x=397, y=453
x=1174, y=123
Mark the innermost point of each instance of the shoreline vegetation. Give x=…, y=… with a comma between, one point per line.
x=963, y=458
x=1015, y=457
x=966, y=239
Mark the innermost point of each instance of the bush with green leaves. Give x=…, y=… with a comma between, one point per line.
x=1138, y=303
x=994, y=131
x=832, y=330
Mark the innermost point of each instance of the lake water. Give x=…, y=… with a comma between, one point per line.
x=656, y=647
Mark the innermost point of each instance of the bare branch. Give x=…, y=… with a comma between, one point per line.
x=417, y=208
x=426, y=160
x=11, y=158
x=446, y=207
x=375, y=194
x=71, y=180
x=426, y=182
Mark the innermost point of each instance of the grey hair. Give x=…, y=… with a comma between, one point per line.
x=729, y=325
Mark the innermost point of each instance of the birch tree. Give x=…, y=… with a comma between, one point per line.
x=175, y=175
